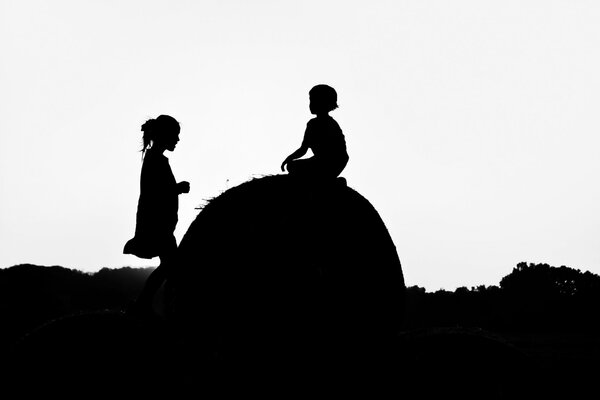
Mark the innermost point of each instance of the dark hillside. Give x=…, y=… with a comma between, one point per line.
x=281, y=285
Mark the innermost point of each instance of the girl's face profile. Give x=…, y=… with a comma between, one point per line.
x=170, y=139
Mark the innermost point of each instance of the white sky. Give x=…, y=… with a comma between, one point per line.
x=472, y=126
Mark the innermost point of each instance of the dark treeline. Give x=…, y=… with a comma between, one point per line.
x=31, y=295
x=532, y=298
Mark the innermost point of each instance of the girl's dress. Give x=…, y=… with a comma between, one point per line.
x=158, y=204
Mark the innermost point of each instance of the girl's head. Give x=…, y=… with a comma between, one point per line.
x=162, y=131
x=323, y=99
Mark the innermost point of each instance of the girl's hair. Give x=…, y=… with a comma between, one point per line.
x=325, y=95
x=156, y=127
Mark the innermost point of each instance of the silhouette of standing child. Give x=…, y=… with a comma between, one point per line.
x=157, y=208
x=323, y=136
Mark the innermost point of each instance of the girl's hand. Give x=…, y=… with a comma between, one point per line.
x=183, y=187
x=287, y=160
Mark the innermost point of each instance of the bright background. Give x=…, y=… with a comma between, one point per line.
x=472, y=126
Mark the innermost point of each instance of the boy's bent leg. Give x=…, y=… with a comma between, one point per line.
x=306, y=168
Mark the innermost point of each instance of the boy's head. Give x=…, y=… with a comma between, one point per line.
x=323, y=98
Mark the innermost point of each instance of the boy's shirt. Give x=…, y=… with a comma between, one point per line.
x=324, y=137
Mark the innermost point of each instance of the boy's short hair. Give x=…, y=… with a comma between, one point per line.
x=325, y=95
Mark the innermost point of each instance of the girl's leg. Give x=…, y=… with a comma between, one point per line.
x=145, y=300
x=153, y=283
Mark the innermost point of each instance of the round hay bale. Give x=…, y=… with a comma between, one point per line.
x=280, y=274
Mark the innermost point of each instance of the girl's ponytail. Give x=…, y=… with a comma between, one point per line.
x=149, y=130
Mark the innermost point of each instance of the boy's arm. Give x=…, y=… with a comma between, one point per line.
x=296, y=154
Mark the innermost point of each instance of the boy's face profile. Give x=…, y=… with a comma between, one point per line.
x=315, y=106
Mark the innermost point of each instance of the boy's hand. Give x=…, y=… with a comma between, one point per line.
x=183, y=187
x=284, y=163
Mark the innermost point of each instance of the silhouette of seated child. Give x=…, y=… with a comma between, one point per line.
x=324, y=137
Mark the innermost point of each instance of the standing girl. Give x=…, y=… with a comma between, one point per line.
x=157, y=206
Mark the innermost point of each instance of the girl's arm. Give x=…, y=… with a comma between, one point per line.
x=183, y=187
